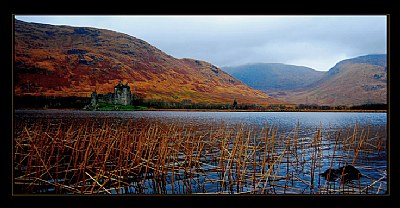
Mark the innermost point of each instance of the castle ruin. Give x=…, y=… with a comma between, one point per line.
x=122, y=95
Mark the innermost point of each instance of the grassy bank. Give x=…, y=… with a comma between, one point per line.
x=118, y=107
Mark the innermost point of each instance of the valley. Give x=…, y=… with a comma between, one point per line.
x=356, y=81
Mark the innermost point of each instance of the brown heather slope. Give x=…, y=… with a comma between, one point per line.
x=72, y=61
x=356, y=81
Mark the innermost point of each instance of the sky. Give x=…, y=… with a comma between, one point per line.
x=318, y=42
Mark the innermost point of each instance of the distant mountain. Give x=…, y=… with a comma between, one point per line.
x=72, y=61
x=373, y=59
x=355, y=81
x=274, y=76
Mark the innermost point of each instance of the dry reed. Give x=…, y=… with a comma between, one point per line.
x=131, y=158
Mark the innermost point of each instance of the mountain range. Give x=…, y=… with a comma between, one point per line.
x=52, y=60
x=355, y=81
x=61, y=61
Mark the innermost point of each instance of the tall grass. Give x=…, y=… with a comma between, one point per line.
x=88, y=157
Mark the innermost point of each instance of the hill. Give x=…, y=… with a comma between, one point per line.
x=64, y=61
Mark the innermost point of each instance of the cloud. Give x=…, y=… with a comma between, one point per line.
x=314, y=41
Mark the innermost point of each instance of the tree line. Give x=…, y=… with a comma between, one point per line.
x=368, y=106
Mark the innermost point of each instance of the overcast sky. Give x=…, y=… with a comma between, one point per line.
x=318, y=42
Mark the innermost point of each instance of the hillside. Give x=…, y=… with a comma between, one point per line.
x=72, y=61
x=355, y=81
x=274, y=76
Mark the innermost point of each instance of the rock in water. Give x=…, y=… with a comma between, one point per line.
x=331, y=174
x=346, y=173
x=349, y=173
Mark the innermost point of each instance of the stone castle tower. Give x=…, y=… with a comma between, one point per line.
x=122, y=94
x=93, y=100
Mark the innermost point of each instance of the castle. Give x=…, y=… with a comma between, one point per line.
x=122, y=95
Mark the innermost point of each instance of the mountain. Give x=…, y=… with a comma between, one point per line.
x=55, y=60
x=355, y=81
x=274, y=76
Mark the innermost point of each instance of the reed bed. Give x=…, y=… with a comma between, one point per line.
x=92, y=157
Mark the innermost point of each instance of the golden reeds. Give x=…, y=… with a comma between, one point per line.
x=110, y=158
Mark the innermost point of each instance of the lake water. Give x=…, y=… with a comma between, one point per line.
x=284, y=120
x=370, y=164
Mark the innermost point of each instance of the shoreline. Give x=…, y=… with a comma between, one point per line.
x=216, y=110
